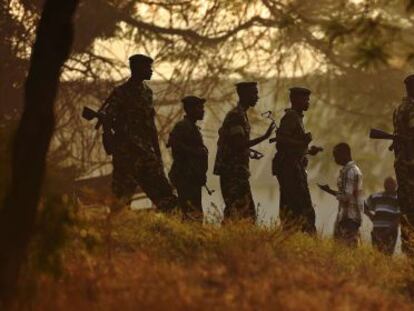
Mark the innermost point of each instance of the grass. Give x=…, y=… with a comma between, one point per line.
x=156, y=262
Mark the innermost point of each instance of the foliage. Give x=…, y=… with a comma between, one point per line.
x=353, y=54
x=51, y=235
x=159, y=263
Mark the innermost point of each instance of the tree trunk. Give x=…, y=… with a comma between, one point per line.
x=53, y=44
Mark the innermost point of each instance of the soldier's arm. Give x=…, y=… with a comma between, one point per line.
x=410, y=140
x=265, y=136
x=110, y=109
x=155, y=141
x=239, y=137
x=177, y=141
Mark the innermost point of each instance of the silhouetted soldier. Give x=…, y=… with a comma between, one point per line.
x=383, y=210
x=404, y=165
x=129, y=113
x=188, y=171
x=289, y=164
x=232, y=160
x=349, y=196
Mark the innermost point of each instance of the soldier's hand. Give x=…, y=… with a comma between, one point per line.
x=308, y=137
x=314, y=150
x=270, y=130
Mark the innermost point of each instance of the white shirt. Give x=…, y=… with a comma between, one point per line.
x=350, y=193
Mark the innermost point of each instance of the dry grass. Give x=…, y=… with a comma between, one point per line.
x=159, y=263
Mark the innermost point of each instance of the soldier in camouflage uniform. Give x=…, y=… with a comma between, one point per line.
x=190, y=159
x=289, y=165
x=233, y=150
x=135, y=148
x=404, y=164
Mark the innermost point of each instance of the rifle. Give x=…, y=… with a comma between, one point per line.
x=90, y=114
x=108, y=136
x=396, y=141
x=380, y=134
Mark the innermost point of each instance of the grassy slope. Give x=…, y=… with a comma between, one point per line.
x=159, y=263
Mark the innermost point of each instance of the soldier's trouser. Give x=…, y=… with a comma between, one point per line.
x=384, y=239
x=189, y=196
x=347, y=232
x=405, y=180
x=130, y=171
x=237, y=197
x=295, y=208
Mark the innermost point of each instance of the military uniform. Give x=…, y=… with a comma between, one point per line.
x=189, y=168
x=289, y=166
x=232, y=165
x=404, y=170
x=136, y=156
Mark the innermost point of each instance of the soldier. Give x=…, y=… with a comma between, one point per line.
x=188, y=171
x=289, y=164
x=233, y=151
x=404, y=164
x=136, y=156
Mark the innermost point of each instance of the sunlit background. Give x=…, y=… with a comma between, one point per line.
x=353, y=55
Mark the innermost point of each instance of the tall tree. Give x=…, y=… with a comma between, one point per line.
x=51, y=49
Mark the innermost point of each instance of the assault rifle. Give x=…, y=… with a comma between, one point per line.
x=380, y=134
x=90, y=114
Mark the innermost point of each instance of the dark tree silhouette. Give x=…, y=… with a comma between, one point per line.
x=51, y=49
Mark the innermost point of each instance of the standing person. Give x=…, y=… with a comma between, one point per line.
x=289, y=164
x=233, y=154
x=349, y=196
x=129, y=124
x=383, y=210
x=404, y=164
x=190, y=158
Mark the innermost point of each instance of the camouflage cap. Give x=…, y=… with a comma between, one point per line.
x=409, y=79
x=296, y=90
x=140, y=59
x=193, y=100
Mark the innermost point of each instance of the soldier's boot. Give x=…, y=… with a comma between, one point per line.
x=166, y=204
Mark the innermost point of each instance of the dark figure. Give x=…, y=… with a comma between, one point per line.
x=135, y=148
x=404, y=165
x=233, y=150
x=349, y=196
x=383, y=210
x=190, y=155
x=289, y=165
